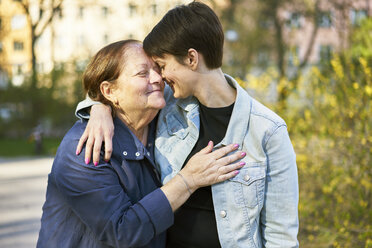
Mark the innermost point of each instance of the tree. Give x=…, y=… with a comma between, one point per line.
x=38, y=21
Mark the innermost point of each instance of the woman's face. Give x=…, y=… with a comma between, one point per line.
x=140, y=86
x=178, y=76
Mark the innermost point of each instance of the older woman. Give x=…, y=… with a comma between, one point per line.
x=122, y=203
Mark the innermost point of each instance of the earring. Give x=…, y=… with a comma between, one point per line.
x=116, y=103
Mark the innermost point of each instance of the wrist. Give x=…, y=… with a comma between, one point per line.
x=188, y=181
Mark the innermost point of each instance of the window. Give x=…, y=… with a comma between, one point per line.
x=81, y=12
x=132, y=9
x=356, y=16
x=154, y=9
x=81, y=40
x=294, y=20
x=105, y=38
x=18, y=69
x=59, y=12
x=325, y=53
x=104, y=12
x=18, y=46
x=18, y=22
x=324, y=19
x=40, y=67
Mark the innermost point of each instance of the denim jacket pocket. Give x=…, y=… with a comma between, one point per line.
x=249, y=185
x=175, y=127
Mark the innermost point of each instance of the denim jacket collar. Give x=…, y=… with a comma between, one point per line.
x=240, y=116
x=188, y=104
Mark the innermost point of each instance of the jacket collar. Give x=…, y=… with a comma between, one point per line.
x=127, y=145
x=239, y=120
x=188, y=104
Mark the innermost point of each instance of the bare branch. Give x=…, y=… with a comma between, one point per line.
x=45, y=24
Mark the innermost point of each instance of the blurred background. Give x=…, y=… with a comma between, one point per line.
x=308, y=60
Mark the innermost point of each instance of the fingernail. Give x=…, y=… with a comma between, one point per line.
x=77, y=152
x=107, y=160
x=236, y=172
x=209, y=143
x=95, y=163
x=243, y=154
x=87, y=161
x=242, y=163
x=236, y=145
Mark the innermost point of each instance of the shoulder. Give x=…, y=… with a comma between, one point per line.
x=66, y=160
x=263, y=113
x=72, y=137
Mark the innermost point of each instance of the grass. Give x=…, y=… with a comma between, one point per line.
x=26, y=147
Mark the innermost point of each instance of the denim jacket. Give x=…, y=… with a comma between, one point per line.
x=259, y=206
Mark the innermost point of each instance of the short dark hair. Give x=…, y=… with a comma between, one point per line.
x=106, y=65
x=188, y=26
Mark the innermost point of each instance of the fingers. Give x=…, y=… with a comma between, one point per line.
x=207, y=149
x=231, y=167
x=217, y=154
x=108, y=147
x=229, y=175
x=231, y=158
x=82, y=140
x=88, y=149
x=97, y=149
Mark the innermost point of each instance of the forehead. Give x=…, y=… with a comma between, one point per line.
x=166, y=58
x=135, y=56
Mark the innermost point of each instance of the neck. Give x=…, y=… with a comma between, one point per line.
x=212, y=89
x=138, y=123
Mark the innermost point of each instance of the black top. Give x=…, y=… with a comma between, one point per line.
x=194, y=222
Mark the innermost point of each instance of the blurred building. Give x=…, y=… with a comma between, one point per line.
x=78, y=29
x=15, y=43
x=334, y=21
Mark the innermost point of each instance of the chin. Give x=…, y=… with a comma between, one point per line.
x=159, y=105
x=179, y=96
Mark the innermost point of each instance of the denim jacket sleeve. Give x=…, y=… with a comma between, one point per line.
x=279, y=215
x=82, y=108
x=96, y=196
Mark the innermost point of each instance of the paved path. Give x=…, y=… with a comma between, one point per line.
x=22, y=194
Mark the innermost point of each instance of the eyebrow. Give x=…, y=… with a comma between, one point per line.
x=143, y=65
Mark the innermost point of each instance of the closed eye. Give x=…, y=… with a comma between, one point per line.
x=143, y=73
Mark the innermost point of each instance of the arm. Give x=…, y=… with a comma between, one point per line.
x=100, y=128
x=98, y=199
x=83, y=108
x=96, y=196
x=279, y=215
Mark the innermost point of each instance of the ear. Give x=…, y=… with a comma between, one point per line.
x=192, y=59
x=107, y=90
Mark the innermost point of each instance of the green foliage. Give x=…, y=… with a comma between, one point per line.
x=52, y=103
x=26, y=147
x=329, y=119
x=362, y=40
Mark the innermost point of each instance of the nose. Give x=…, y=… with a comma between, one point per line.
x=155, y=77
